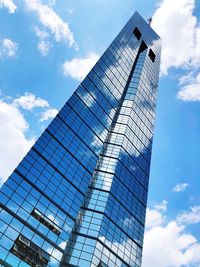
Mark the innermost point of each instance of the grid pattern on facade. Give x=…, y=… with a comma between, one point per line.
x=80, y=193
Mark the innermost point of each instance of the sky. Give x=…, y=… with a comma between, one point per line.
x=46, y=49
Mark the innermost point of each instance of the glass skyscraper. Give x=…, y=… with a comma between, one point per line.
x=78, y=198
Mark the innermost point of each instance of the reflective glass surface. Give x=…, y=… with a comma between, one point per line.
x=79, y=196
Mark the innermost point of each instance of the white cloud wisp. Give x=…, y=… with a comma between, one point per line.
x=180, y=187
x=48, y=114
x=44, y=44
x=190, y=89
x=9, y=4
x=155, y=217
x=8, y=48
x=13, y=141
x=29, y=101
x=190, y=217
x=78, y=68
x=178, y=27
x=178, y=247
x=52, y=22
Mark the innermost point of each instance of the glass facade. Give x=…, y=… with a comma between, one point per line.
x=78, y=198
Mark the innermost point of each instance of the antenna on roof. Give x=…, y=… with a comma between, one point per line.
x=149, y=21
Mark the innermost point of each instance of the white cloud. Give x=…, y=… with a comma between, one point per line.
x=190, y=217
x=193, y=255
x=168, y=244
x=13, y=141
x=186, y=79
x=8, y=48
x=50, y=19
x=44, y=44
x=178, y=27
x=161, y=206
x=48, y=114
x=44, y=47
x=155, y=217
x=190, y=91
x=9, y=4
x=29, y=101
x=180, y=32
x=180, y=187
x=78, y=68
x=41, y=34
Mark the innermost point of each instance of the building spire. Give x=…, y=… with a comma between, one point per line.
x=149, y=21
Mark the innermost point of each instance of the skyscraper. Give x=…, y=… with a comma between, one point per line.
x=78, y=198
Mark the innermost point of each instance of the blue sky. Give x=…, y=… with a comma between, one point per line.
x=48, y=46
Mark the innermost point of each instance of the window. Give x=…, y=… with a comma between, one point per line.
x=29, y=252
x=137, y=33
x=46, y=221
x=152, y=55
